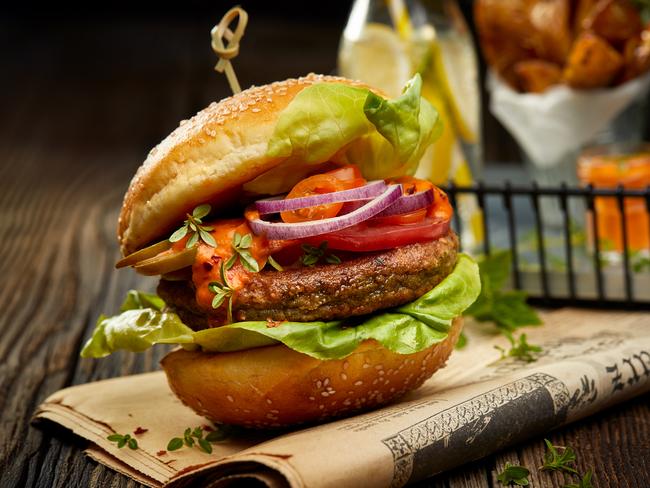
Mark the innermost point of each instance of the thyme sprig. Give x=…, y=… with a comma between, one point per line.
x=314, y=254
x=222, y=291
x=195, y=437
x=123, y=440
x=519, y=348
x=558, y=458
x=514, y=475
x=241, y=246
x=193, y=226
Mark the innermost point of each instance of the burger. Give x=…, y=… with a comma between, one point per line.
x=303, y=272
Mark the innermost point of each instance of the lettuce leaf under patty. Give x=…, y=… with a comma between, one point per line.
x=349, y=125
x=405, y=330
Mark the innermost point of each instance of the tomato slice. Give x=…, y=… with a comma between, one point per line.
x=347, y=173
x=412, y=185
x=363, y=237
x=314, y=185
x=400, y=219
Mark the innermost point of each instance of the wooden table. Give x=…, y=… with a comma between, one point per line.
x=81, y=106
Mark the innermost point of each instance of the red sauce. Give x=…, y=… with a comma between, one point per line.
x=207, y=264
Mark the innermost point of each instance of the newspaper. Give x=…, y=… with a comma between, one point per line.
x=478, y=404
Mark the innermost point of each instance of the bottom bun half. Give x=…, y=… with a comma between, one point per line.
x=272, y=387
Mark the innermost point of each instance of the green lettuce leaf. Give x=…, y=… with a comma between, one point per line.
x=349, y=125
x=404, y=330
x=141, y=324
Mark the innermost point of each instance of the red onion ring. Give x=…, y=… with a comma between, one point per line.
x=370, y=190
x=300, y=230
x=409, y=203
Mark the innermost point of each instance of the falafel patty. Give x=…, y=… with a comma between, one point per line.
x=358, y=286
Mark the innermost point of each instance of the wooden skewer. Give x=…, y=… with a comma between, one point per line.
x=230, y=50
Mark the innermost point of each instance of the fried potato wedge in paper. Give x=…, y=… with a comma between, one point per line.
x=551, y=34
x=504, y=28
x=592, y=63
x=582, y=12
x=637, y=55
x=536, y=75
x=614, y=20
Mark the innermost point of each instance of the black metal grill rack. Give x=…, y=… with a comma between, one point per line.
x=634, y=286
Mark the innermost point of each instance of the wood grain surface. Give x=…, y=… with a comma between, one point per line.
x=78, y=115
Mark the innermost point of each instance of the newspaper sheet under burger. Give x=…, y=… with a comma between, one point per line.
x=477, y=405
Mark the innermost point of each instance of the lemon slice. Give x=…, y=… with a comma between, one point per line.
x=378, y=57
x=457, y=73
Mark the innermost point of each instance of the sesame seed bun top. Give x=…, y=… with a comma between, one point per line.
x=206, y=159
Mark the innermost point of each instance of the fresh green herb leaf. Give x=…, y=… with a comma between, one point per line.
x=207, y=238
x=179, y=234
x=241, y=245
x=520, y=349
x=274, y=264
x=514, y=475
x=123, y=440
x=222, y=291
x=333, y=259
x=585, y=481
x=175, y=444
x=205, y=446
x=196, y=438
x=217, y=435
x=231, y=261
x=507, y=309
x=248, y=262
x=314, y=254
x=194, y=225
x=192, y=241
x=558, y=458
x=201, y=211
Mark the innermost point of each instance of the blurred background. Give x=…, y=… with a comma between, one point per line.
x=135, y=56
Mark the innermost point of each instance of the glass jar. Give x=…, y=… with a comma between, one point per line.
x=608, y=166
x=385, y=43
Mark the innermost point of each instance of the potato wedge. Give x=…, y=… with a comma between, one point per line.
x=614, y=20
x=551, y=35
x=503, y=27
x=583, y=11
x=637, y=55
x=537, y=76
x=592, y=63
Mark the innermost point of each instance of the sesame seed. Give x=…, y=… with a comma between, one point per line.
x=269, y=99
x=230, y=399
x=325, y=394
x=379, y=367
x=247, y=410
x=312, y=398
x=275, y=411
x=358, y=383
x=321, y=406
x=346, y=365
x=319, y=384
x=344, y=376
x=255, y=110
x=326, y=382
x=366, y=366
x=268, y=400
